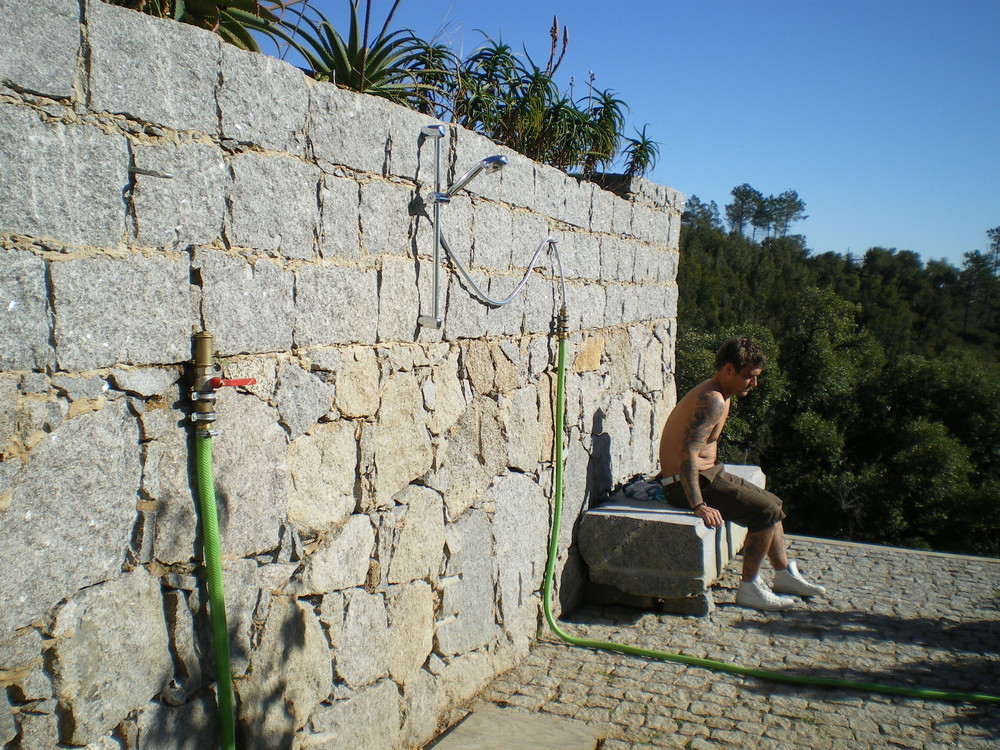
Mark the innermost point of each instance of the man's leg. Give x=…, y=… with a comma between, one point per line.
x=753, y=507
x=770, y=543
x=777, y=553
x=787, y=579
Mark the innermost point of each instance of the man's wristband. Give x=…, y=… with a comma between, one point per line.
x=695, y=507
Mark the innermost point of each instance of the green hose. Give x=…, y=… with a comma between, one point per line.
x=937, y=695
x=216, y=599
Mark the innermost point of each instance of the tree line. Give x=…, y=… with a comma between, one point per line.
x=878, y=415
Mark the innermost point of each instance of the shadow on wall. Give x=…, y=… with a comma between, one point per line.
x=574, y=574
x=599, y=470
x=274, y=725
x=191, y=726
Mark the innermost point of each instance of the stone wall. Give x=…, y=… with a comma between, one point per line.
x=384, y=488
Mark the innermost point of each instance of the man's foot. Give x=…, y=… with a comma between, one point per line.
x=756, y=595
x=790, y=581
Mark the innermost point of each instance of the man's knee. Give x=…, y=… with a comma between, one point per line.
x=768, y=515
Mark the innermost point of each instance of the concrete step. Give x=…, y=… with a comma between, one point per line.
x=494, y=728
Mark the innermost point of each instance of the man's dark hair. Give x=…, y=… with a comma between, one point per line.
x=740, y=353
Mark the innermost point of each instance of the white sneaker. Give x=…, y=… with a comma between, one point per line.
x=790, y=581
x=756, y=595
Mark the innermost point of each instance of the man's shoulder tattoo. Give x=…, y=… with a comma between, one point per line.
x=707, y=412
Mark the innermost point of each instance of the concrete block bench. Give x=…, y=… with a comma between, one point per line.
x=644, y=553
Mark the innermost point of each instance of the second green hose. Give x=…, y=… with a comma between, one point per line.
x=216, y=599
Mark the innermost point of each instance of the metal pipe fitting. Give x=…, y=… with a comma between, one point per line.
x=202, y=392
x=206, y=382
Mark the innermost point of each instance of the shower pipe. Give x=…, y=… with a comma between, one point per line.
x=434, y=320
x=437, y=198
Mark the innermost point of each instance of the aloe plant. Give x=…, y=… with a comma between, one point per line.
x=517, y=103
x=396, y=65
x=606, y=120
x=230, y=19
x=641, y=154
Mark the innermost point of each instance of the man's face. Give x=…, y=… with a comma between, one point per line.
x=745, y=380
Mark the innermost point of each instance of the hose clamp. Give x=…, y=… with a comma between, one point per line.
x=562, y=324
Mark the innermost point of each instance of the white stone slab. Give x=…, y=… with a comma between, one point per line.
x=647, y=550
x=505, y=729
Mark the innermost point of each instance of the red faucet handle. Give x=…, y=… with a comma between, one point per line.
x=233, y=382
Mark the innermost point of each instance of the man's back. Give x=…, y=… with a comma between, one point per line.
x=698, y=409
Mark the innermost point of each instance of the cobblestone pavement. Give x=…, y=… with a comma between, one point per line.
x=891, y=616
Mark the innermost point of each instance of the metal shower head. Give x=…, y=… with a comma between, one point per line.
x=489, y=164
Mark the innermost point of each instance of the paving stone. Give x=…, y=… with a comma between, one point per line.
x=88, y=469
x=260, y=185
x=320, y=487
x=246, y=305
x=385, y=219
x=95, y=653
x=335, y=305
x=397, y=449
x=632, y=703
x=467, y=602
x=24, y=324
x=398, y=300
x=349, y=129
x=95, y=305
x=369, y=718
x=339, y=228
x=290, y=675
x=262, y=100
x=186, y=209
x=340, y=561
x=302, y=399
x=248, y=458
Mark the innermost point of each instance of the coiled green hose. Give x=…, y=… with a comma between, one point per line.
x=720, y=666
x=216, y=599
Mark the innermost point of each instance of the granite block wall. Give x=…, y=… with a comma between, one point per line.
x=384, y=488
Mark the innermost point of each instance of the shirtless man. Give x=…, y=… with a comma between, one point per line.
x=693, y=478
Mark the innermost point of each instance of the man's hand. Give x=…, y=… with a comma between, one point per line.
x=708, y=514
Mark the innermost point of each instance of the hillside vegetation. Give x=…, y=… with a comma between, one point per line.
x=878, y=416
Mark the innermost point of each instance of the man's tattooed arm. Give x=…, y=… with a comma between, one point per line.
x=706, y=415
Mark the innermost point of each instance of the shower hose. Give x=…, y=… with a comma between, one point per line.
x=720, y=666
x=216, y=599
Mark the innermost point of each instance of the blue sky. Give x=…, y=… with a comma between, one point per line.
x=884, y=115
